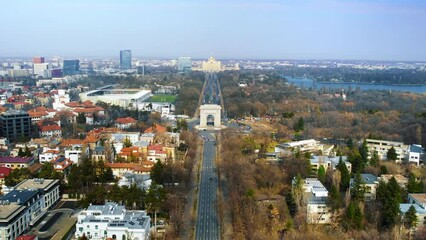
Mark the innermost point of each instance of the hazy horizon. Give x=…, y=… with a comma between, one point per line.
x=375, y=30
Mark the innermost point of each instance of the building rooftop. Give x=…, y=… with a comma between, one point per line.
x=137, y=219
x=37, y=183
x=19, y=196
x=405, y=206
x=9, y=159
x=419, y=197
x=12, y=112
x=416, y=148
x=9, y=211
x=369, y=178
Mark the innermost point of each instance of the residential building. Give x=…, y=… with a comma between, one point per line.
x=74, y=152
x=71, y=67
x=418, y=201
x=316, y=197
x=328, y=162
x=24, y=205
x=13, y=220
x=62, y=165
x=48, y=155
x=119, y=169
x=15, y=124
x=112, y=221
x=415, y=154
x=125, y=59
x=51, y=131
x=49, y=189
x=125, y=122
x=16, y=162
x=382, y=147
x=401, y=180
x=370, y=184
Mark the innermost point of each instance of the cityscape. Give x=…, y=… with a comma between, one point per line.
x=220, y=120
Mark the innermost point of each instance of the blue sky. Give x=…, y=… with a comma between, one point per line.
x=278, y=29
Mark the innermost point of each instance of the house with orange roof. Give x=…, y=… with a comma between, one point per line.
x=62, y=164
x=125, y=122
x=51, y=131
x=131, y=154
x=156, y=153
x=156, y=128
x=119, y=169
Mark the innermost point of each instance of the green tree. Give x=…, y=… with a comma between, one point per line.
x=127, y=143
x=350, y=143
x=375, y=160
x=345, y=175
x=363, y=151
x=299, y=125
x=157, y=173
x=17, y=175
x=249, y=145
x=410, y=217
x=414, y=186
x=81, y=118
x=321, y=174
x=21, y=153
x=389, y=196
x=357, y=190
x=353, y=217
x=47, y=171
x=357, y=161
x=155, y=200
x=391, y=154
x=335, y=199
x=27, y=152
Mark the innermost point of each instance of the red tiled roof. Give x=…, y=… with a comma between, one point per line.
x=68, y=142
x=125, y=120
x=155, y=147
x=130, y=149
x=156, y=128
x=50, y=128
x=26, y=237
x=15, y=159
x=35, y=167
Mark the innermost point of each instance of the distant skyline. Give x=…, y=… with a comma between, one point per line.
x=390, y=30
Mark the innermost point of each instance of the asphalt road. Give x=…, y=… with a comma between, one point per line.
x=207, y=226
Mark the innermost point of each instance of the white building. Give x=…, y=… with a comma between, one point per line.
x=126, y=98
x=370, y=184
x=418, y=201
x=75, y=152
x=14, y=220
x=43, y=70
x=60, y=99
x=24, y=205
x=415, y=154
x=316, y=196
x=382, y=147
x=112, y=221
x=309, y=145
x=48, y=155
x=328, y=162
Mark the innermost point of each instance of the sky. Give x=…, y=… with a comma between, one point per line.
x=262, y=29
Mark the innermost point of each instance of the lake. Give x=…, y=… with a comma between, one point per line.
x=309, y=83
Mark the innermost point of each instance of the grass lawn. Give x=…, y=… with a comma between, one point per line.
x=163, y=98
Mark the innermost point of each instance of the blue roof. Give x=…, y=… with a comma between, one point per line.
x=416, y=148
x=19, y=195
x=403, y=207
